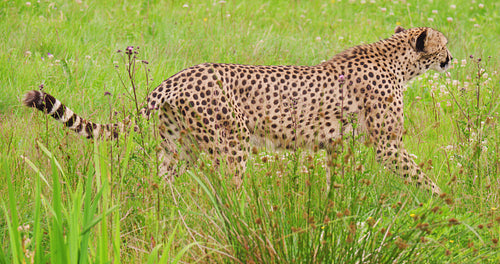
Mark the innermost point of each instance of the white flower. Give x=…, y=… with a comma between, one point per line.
x=27, y=53
x=434, y=11
x=481, y=6
x=476, y=25
x=383, y=9
x=455, y=82
x=453, y=6
x=449, y=19
x=28, y=3
x=87, y=57
x=185, y=6
x=464, y=62
x=430, y=19
x=318, y=38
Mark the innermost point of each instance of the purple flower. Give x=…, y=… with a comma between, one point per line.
x=129, y=49
x=341, y=78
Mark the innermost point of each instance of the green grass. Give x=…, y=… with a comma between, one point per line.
x=66, y=199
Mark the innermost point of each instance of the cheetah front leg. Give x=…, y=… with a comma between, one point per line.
x=385, y=127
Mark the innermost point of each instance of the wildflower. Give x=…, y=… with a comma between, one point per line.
x=476, y=25
x=401, y=243
x=341, y=79
x=449, y=19
x=434, y=11
x=481, y=6
x=205, y=19
x=129, y=50
x=185, y=6
x=398, y=23
x=453, y=6
x=27, y=53
x=222, y=2
x=430, y=19
x=28, y=3
x=453, y=221
x=383, y=9
x=318, y=38
x=87, y=57
x=413, y=215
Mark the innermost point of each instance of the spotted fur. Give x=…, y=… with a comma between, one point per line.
x=222, y=109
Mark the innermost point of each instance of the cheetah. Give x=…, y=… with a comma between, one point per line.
x=223, y=108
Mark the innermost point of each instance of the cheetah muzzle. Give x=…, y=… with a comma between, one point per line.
x=221, y=106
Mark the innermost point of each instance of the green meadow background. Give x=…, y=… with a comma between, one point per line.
x=66, y=199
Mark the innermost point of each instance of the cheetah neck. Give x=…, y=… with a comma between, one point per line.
x=393, y=56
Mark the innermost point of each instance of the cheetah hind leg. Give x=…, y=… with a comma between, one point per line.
x=232, y=149
x=174, y=158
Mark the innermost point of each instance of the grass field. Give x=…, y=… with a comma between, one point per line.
x=66, y=199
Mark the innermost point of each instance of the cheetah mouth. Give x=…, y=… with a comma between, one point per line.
x=445, y=64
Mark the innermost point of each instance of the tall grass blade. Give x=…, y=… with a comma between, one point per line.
x=13, y=220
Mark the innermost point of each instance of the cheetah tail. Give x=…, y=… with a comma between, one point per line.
x=53, y=107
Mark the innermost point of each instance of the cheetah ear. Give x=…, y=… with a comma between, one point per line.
x=429, y=41
x=398, y=29
x=420, y=42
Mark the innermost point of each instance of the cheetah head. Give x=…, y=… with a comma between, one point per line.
x=430, y=48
